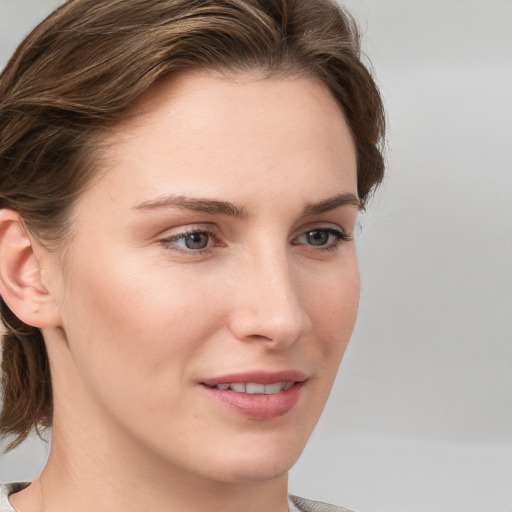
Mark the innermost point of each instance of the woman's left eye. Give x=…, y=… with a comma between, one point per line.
x=323, y=238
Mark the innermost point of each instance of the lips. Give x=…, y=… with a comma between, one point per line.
x=257, y=395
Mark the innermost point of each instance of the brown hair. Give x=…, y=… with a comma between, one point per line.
x=89, y=61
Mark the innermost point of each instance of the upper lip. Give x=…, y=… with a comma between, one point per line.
x=257, y=376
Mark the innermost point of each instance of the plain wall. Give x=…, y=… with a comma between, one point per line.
x=420, y=418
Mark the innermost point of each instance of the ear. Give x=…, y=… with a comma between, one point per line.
x=21, y=284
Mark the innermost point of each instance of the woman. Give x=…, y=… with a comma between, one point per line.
x=180, y=182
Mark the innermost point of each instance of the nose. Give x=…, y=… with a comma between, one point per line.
x=267, y=305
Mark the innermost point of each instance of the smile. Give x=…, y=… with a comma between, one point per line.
x=272, y=398
x=253, y=388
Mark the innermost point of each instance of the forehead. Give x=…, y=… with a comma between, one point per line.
x=219, y=133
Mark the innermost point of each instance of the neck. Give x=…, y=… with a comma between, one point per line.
x=90, y=479
x=91, y=467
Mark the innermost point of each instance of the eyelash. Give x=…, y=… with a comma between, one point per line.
x=339, y=237
x=338, y=234
x=169, y=241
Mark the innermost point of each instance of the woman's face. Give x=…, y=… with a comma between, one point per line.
x=211, y=284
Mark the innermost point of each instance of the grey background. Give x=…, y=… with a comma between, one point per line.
x=421, y=415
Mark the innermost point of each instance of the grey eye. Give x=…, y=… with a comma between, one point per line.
x=317, y=237
x=196, y=240
x=322, y=238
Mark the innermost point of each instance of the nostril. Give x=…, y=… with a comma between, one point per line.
x=259, y=337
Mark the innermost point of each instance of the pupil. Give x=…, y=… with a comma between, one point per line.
x=196, y=241
x=318, y=237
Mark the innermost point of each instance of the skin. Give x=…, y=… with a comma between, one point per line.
x=138, y=320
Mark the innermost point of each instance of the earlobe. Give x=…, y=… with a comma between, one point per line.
x=21, y=285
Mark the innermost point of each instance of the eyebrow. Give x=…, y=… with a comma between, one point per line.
x=212, y=206
x=332, y=203
x=216, y=207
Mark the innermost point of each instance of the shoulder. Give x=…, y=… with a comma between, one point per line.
x=5, y=490
x=305, y=505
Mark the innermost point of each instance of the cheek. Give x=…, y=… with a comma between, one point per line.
x=334, y=313
x=134, y=323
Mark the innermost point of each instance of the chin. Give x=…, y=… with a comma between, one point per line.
x=258, y=463
x=255, y=471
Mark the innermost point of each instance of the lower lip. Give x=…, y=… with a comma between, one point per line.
x=258, y=407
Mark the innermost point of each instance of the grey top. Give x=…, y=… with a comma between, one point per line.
x=304, y=505
x=296, y=504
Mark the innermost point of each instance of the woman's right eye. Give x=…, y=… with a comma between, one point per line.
x=192, y=242
x=195, y=241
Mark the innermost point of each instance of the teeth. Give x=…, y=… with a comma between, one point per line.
x=253, y=388
x=273, y=388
